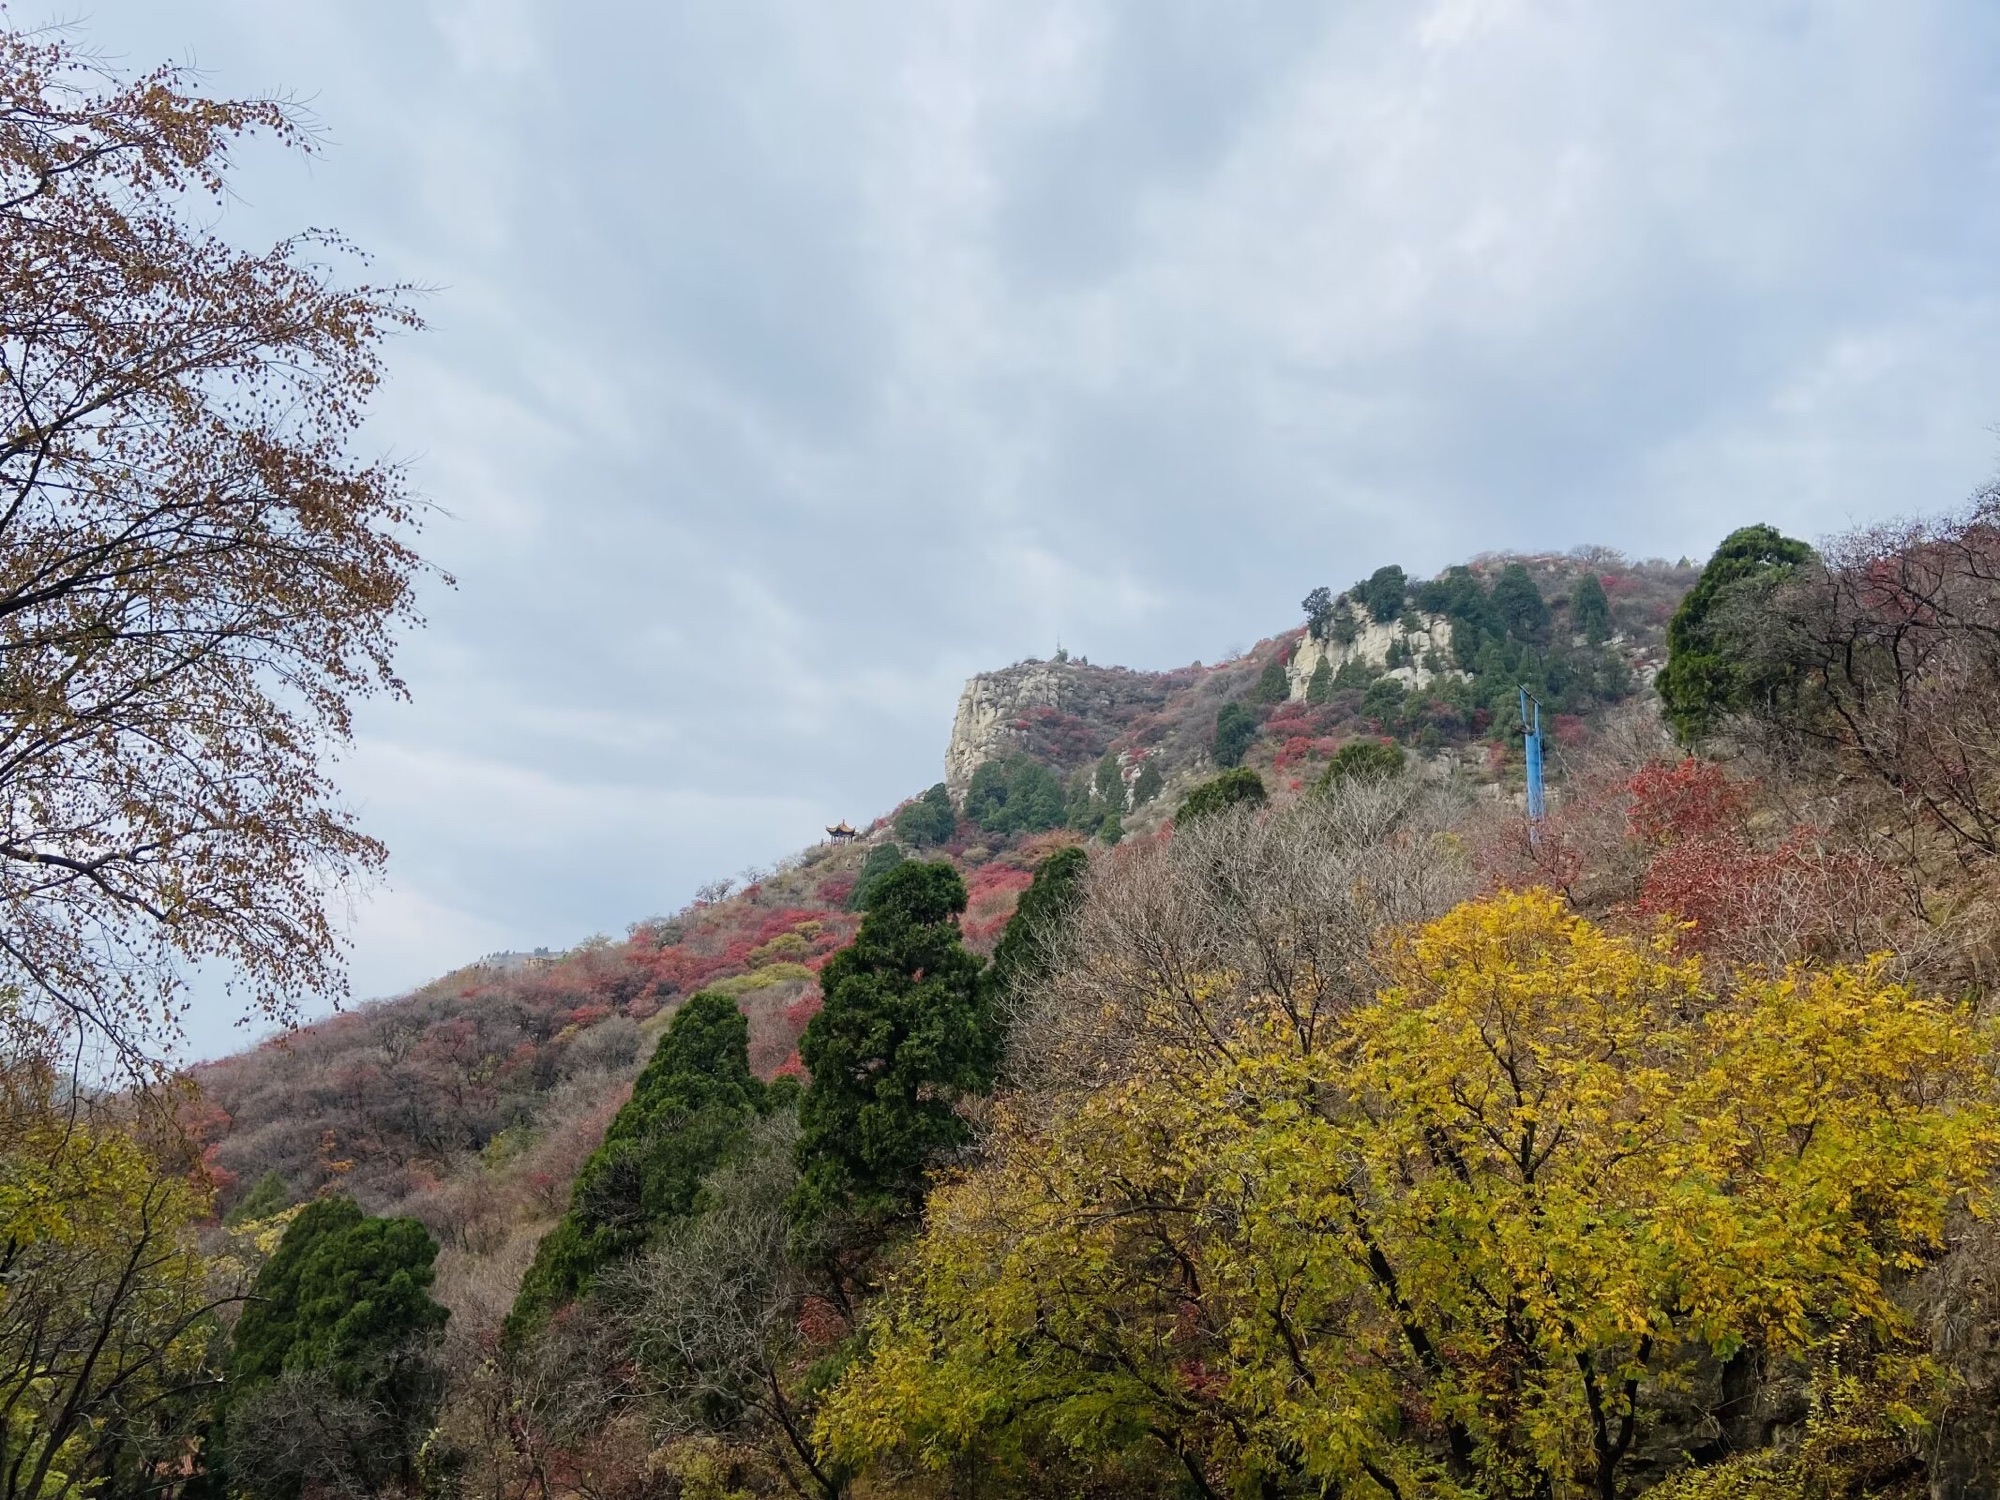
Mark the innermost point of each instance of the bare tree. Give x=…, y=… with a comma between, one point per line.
x=713, y=1309
x=196, y=579
x=1175, y=938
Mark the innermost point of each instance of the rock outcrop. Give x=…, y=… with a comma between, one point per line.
x=1421, y=651
x=1064, y=713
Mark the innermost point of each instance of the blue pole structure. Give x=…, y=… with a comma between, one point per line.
x=1531, y=734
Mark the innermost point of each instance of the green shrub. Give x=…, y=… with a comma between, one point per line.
x=1237, y=788
x=1363, y=760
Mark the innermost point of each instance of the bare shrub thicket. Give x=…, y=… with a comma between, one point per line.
x=712, y=1315
x=1238, y=914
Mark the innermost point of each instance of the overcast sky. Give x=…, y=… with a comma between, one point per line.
x=792, y=361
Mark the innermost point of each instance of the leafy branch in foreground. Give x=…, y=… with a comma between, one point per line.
x=196, y=579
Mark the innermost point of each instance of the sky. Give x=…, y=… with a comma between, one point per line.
x=789, y=363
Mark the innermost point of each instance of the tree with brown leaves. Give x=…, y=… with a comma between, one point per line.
x=197, y=579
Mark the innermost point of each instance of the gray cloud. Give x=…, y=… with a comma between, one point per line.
x=790, y=364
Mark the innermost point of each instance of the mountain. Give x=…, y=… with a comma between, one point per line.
x=471, y=1101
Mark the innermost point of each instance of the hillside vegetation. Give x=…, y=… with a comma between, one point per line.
x=1216, y=1086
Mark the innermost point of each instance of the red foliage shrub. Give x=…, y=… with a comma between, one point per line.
x=802, y=1010
x=1677, y=800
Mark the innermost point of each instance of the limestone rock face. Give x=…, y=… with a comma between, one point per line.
x=1064, y=713
x=1428, y=644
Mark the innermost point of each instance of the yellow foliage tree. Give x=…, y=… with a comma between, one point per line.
x=106, y=1306
x=1542, y=1181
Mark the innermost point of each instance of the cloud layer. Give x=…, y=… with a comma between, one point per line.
x=790, y=363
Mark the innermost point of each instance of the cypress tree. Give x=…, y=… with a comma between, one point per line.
x=690, y=1108
x=1231, y=789
x=1590, y=610
x=347, y=1296
x=1273, y=685
x=906, y=1029
x=1235, y=729
x=1045, y=906
x=1319, y=687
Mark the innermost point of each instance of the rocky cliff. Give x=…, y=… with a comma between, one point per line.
x=1064, y=713
x=1414, y=650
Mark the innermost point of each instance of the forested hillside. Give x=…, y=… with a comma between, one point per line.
x=391, y=1100
x=1223, y=1082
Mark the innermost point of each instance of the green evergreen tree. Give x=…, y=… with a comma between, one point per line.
x=906, y=1030
x=1108, y=782
x=345, y=1296
x=1045, y=906
x=691, y=1107
x=1590, y=610
x=1273, y=686
x=930, y=819
x=1147, y=784
x=1236, y=788
x=1519, y=606
x=1703, y=679
x=1383, y=593
x=1235, y=729
x=1318, y=606
x=879, y=862
x=269, y=1326
x=1319, y=687
x=1463, y=600
x=1016, y=795
x=268, y=1195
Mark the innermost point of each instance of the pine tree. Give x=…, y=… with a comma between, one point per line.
x=1147, y=784
x=930, y=819
x=1519, y=606
x=345, y=1297
x=905, y=1031
x=1319, y=687
x=880, y=861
